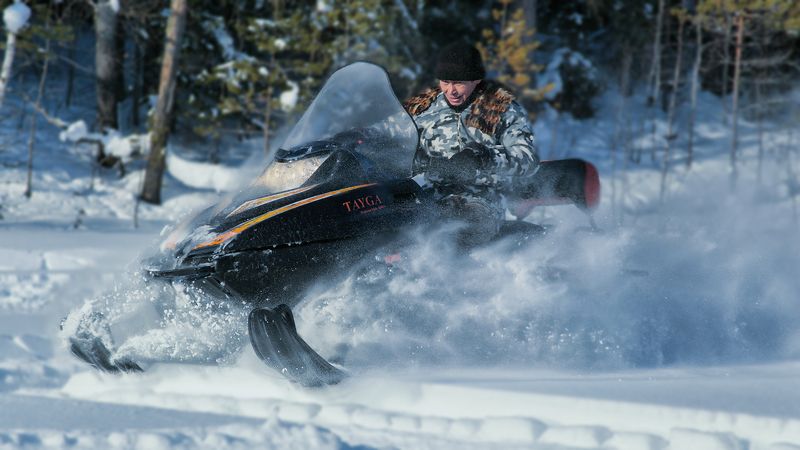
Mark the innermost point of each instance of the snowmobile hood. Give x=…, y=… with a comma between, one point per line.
x=354, y=136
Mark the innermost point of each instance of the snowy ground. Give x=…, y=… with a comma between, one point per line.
x=677, y=327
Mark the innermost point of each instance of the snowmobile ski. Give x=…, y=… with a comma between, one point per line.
x=274, y=338
x=94, y=352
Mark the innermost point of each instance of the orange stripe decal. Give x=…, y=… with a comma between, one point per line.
x=270, y=198
x=227, y=235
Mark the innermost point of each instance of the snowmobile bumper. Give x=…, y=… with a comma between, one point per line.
x=184, y=273
x=260, y=275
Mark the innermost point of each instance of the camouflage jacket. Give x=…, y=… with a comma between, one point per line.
x=493, y=119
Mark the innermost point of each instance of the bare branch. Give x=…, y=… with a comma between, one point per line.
x=55, y=121
x=77, y=66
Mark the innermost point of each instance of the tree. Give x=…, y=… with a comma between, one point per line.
x=38, y=104
x=739, y=19
x=15, y=17
x=508, y=52
x=747, y=15
x=682, y=17
x=151, y=189
x=697, y=21
x=655, y=63
x=108, y=62
x=530, y=7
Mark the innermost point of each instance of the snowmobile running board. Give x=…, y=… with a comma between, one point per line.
x=275, y=340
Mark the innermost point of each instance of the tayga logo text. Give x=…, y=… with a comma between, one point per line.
x=364, y=204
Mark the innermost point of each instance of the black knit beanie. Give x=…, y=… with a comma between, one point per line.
x=460, y=62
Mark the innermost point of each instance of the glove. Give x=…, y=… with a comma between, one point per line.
x=463, y=167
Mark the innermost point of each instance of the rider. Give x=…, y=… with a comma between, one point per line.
x=474, y=141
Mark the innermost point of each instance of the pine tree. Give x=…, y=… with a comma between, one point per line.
x=283, y=55
x=508, y=53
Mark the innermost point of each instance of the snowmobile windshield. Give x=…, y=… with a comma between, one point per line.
x=356, y=110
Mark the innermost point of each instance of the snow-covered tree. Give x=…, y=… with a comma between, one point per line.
x=15, y=17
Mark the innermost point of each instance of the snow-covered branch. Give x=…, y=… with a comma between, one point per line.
x=15, y=18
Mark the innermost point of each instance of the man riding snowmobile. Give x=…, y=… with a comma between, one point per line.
x=339, y=190
x=474, y=140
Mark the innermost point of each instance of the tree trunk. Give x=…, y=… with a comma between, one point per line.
x=107, y=64
x=726, y=61
x=529, y=7
x=419, y=11
x=655, y=76
x=151, y=189
x=698, y=61
x=735, y=105
x=655, y=65
x=627, y=64
x=277, y=9
x=676, y=79
x=136, y=94
x=760, y=119
x=791, y=177
x=760, y=74
x=32, y=137
x=73, y=46
x=8, y=61
x=621, y=132
x=267, y=121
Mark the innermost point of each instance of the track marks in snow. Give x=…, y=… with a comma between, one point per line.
x=688, y=439
x=30, y=280
x=272, y=435
x=576, y=436
x=421, y=414
x=23, y=363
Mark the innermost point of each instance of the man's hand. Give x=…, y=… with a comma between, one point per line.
x=464, y=167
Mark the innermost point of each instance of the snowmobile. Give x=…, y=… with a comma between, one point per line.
x=339, y=188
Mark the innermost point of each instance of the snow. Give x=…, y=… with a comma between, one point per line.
x=288, y=98
x=113, y=142
x=216, y=26
x=203, y=175
x=74, y=132
x=676, y=327
x=323, y=6
x=15, y=16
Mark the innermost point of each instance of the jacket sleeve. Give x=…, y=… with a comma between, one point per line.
x=516, y=155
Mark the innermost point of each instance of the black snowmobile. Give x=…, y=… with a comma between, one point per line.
x=339, y=188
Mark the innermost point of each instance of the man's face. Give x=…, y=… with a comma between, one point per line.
x=457, y=92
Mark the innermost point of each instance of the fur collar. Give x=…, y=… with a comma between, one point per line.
x=487, y=109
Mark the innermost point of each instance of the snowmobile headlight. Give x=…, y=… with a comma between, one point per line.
x=171, y=242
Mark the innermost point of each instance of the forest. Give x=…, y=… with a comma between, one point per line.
x=230, y=70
